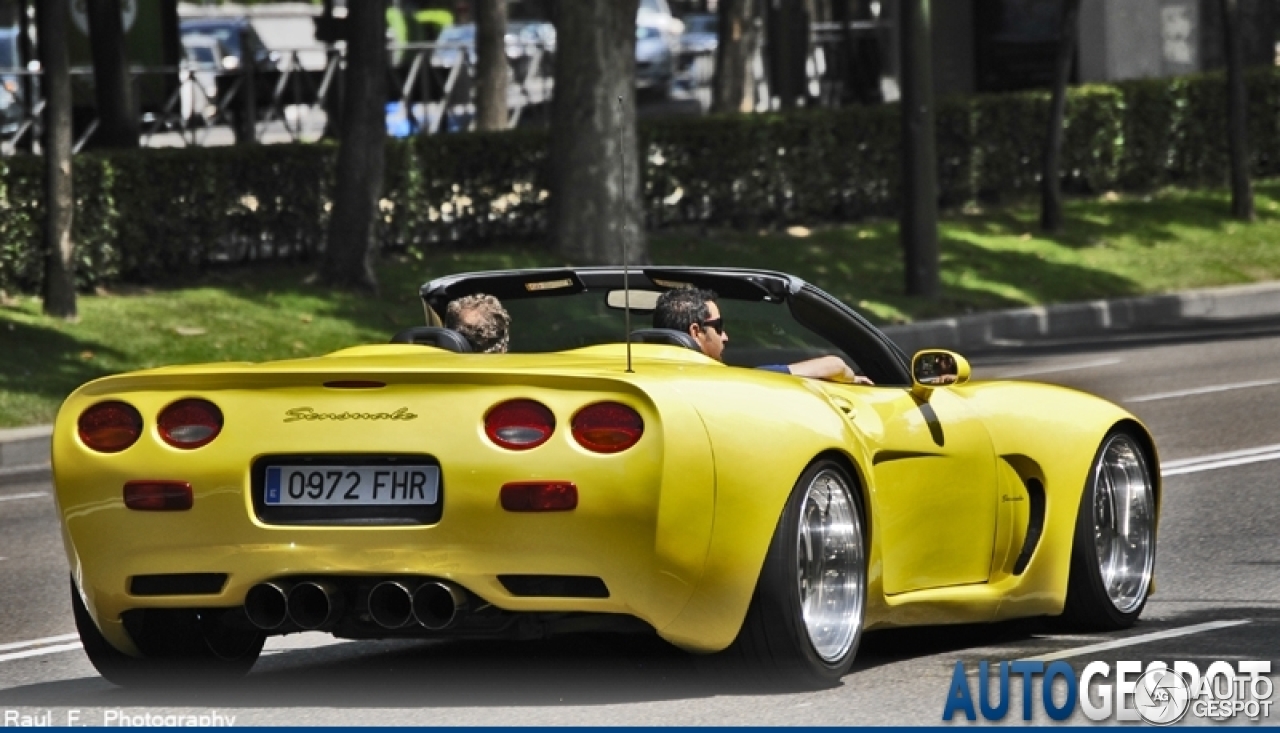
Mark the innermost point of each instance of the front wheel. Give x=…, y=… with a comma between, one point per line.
x=1114, y=550
x=805, y=619
x=176, y=647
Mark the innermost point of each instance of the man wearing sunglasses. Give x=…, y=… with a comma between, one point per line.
x=695, y=312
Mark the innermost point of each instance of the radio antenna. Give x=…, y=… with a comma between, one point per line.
x=626, y=262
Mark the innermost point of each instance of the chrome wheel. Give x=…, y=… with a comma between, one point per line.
x=1124, y=522
x=829, y=556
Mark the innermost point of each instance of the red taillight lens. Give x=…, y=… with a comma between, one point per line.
x=190, y=423
x=539, y=496
x=110, y=427
x=607, y=427
x=519, y=424
x=158, y=496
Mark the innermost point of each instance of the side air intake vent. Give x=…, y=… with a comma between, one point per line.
x=1035, y=524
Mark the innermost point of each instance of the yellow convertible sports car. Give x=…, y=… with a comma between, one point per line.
x=594, y=479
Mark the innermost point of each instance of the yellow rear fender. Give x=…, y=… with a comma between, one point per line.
x=757, y=458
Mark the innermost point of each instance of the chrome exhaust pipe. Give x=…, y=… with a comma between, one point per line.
x=391, y=604
x=267, y=605
x=314, y=605
x=436, y=605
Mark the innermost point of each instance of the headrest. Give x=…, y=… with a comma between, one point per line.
x=441, y=338
x=668, y=336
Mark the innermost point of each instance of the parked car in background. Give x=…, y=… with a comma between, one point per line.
x=525, y=41
x=657, y=47
x=230, y=32
x=657, y=14
x=698, y=48
x=655, y=60
x=701, y=34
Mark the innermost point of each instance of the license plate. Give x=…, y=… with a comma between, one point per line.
x=352, y=485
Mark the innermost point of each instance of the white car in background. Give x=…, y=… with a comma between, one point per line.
x=658, y=35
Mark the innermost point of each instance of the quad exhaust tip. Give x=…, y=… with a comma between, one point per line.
x=391, y=605
x=314, y=605
x=267, y=605
x=437, y=605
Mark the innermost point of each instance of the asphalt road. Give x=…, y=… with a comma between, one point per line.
x=1210, y=398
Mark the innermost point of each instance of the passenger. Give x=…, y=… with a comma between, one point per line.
x=482, y=320
x=695, y=312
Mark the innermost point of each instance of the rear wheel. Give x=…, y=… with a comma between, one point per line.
x=176, y=645
x=805, y=619
x=1113, y=553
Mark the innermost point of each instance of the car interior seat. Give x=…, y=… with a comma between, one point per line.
x=668, y=336
x=441, y=338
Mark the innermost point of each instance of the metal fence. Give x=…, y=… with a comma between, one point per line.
x=431, y=90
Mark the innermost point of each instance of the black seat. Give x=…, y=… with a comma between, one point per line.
x=441, y=338
x=668, y=336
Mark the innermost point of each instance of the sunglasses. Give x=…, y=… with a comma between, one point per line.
x=716, y=323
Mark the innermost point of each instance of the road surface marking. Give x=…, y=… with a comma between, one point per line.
x=1202, y=390
x=19, y=470
x=1221, y=460
x=1067, y=368
x=1080, y=651
x=37, y=642
x=32, y=495
x=40, y=652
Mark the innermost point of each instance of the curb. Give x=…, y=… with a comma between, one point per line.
x=1010, y=328
x=24, y=452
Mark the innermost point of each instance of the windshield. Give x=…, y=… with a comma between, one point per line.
x=700, y=24
x=228, y=35
x=759, y=332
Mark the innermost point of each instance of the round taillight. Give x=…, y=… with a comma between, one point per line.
x=190, y=423
x=110, y=427
x=519, y=424
x=607, y=427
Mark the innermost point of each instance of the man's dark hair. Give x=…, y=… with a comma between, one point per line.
x=680, y=308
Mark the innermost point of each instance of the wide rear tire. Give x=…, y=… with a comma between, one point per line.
x=1114, y=549
x=176, y=649
x=804, y=623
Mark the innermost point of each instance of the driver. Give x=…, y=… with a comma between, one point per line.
x=695, y=312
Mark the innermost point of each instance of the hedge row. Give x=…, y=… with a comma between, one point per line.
x=142, y=214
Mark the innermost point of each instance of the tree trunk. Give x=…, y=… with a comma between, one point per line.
x=1238, y=103
x=53, y=21
x=492, y=70
x=919, y=226
x=1050, y=177
x=733, y=83
x=787, y=29
x=595, y=182
x=113, y=90
x=348, y=260
x=171, y=44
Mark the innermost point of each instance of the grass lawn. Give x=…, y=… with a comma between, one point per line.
x=1112, y=246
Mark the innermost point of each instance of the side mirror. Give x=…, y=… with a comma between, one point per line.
x=935, y=368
